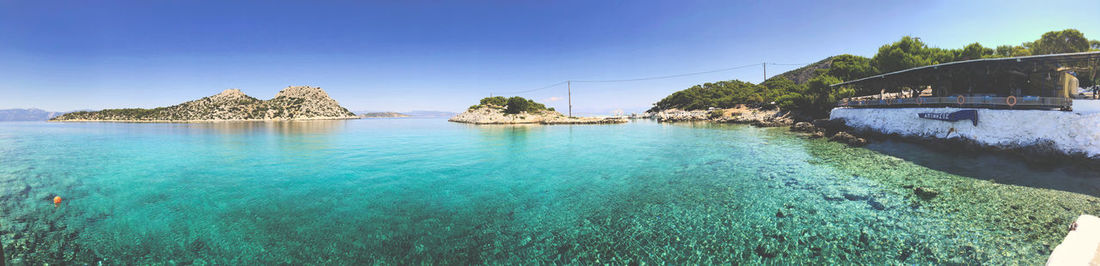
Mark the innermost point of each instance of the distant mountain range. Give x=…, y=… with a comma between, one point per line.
x=421, y=114
x=27, y=114
x=382, y=115
x=431, y=114
x=292, y=103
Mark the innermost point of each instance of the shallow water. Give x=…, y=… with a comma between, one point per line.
x=425, y=190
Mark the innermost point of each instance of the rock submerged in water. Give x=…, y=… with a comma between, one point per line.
x=855, y=196
x=766, y=250
x=803, y=127
x=875, y=204
x=924, y=193
x=848, y=138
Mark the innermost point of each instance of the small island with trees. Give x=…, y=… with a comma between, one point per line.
x=518, y=110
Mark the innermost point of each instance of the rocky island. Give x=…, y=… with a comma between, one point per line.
x=517, y=110
x=292, y=103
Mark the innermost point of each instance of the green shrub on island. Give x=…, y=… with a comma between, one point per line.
x=716, y=113
x=497, y=101
x=134, y=113
x=512, y=105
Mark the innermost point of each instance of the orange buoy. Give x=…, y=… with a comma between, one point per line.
x=56, y=200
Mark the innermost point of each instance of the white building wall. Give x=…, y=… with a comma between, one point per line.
x=1071, y=132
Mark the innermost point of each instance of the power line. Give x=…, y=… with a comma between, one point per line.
x=764, y=65
x=649, y=78
x=669, y=76
x=531, y=90
x=781, y=64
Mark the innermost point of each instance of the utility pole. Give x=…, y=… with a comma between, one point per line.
x=569, y=88
x=765, y=64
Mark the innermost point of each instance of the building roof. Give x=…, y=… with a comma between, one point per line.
x=1031, y=63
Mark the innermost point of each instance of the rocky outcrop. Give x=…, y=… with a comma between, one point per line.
x=803, y=127
x=848, y=138
x=677, y=115
x=292, y=103
x=835, y=129
x=495, y=115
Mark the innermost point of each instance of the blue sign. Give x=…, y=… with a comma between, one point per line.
x=971, y=115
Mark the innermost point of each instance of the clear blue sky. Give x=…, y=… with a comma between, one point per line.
x=426, y=55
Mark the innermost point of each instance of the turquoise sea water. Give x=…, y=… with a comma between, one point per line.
x=425, y=190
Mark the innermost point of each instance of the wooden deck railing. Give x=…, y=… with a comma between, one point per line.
x=1010, y=102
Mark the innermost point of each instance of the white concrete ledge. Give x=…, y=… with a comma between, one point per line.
x=1070, y=132
x=1082, y=244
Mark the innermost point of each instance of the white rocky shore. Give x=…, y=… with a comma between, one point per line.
x=492, y=115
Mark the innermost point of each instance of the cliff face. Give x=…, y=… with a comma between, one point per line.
x=292, y=103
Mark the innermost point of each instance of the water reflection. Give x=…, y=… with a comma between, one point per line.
x=267, y=127
x=513, y=133
x=291, y=139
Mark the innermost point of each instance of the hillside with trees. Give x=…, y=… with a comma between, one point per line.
x=807, y=90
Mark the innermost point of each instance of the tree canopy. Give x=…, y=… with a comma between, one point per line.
x=850, y=67
x=512, y=105
x=1057, y=42
x=722, y=94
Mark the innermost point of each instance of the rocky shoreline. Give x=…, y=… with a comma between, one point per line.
x=834, y=130
x=487, y=115
x=838, y=130
x=762, y=117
